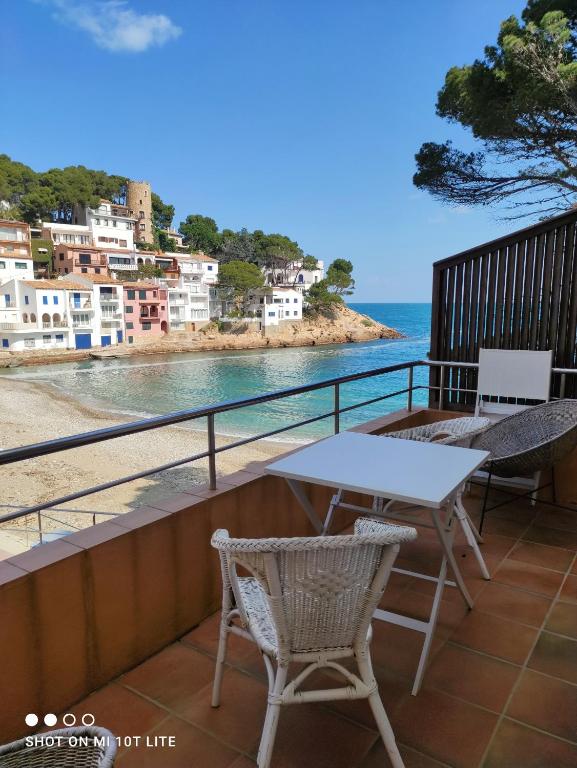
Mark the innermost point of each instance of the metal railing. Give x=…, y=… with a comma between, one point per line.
x=209, y=412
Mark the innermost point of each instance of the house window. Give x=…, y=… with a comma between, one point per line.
x=45, y=299
x=286, y=301
x=142, y=227
x=295, y=301
x=131, y=295
x=271, y=314
x=209, y=267
x=65, y=270
x=29, y=343
x=59, y=337
x=26, y=299
x=142, y=294
x=84, y=258
x=146, y=326
x=84, y=270
x=129, y=326
x=128, y=310
x=122, y=243
x=2, y=265
x=55, y=299
x=47, y=338
x=130, y=339
x=295, y=313
x=5, y=343
x=21, y=265
x=97, y=270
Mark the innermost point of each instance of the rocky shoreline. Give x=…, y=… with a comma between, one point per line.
x=343, y=327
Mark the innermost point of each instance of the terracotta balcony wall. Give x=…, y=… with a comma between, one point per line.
x=127, y=607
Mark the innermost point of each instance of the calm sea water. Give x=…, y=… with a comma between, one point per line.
x=160, y=384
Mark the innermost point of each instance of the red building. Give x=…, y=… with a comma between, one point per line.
x=145, y=310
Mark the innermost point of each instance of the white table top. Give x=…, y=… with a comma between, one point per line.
x=405, y=470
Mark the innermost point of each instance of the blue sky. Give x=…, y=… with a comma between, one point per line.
x=292, y=116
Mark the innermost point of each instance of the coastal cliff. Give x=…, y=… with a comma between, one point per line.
x=342, y=327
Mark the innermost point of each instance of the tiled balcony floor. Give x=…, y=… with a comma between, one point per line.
x=500, y=690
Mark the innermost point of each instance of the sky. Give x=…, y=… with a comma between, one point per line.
x=293, y=116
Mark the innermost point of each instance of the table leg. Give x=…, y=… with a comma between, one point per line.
x=297, y=488
x=471, y=535
x=446, y=534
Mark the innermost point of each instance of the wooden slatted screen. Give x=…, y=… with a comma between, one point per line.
x=517, y=292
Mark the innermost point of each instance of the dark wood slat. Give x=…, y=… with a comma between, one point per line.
x=558, y=259
x=484, y=282
x=509, y=295
x=536, y=291
x=518, y=299
x=546, y=291
x=567, y=286
x=572, y=324
x=491, y=300
x=500, y=297
x=527, y=286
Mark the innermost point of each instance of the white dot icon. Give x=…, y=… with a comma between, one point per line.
x=31, y=720
x=50, y=720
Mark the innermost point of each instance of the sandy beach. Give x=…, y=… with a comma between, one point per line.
x=32, y=412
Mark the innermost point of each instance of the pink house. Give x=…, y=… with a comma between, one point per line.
x=145, y=310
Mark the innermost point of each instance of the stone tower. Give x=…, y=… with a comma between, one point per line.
x=139, y=202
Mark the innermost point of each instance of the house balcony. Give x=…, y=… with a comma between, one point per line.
x=126, y=629
x=57, y=324
x=150, y=318
x=96, y=261
x=81, y=306
x=109, y=299
x=81, y=323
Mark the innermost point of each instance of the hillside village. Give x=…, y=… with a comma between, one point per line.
x=100, y=282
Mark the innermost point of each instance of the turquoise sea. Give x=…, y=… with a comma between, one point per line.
x=160, y=384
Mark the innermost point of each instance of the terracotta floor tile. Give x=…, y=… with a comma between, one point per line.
x=240, y=652
x=562, y=519
x=503, y=526
x=563, y=620
x=555, y=656
x=378, y=758
x=574, y=568
x=418, y=606
x=516, y=746
x=243, y=762
x=569, y=591
x=193, y=748
x=513, y=604
x=473, y=677
x=555, y=558
x=309, y=736
x=392, y=689
x=530, y=577
x=171, y=677
x=442, y=727
x=552, y=537
x=546, y=703
x=396, y=649
x=495, y=636
x=239, y=719
x=121, y=711
x=495, y=545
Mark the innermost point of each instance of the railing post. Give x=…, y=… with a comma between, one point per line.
x=211, y=453
x=39, y=514
x=337, y=409
x=410, y=388
x=441, y=386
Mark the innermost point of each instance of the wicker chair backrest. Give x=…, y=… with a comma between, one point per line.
x=531, y=441
x=321, y=591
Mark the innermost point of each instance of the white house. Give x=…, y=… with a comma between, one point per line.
x=97, y=310
x=199, y=264
x=34, y=315
x=275, y=305
x=295, y=277
x=188, y=302
x=15, y=253
x=66, y=234
x=111, y=225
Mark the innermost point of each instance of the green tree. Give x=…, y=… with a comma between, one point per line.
x=201, y=233
x=162, y=213
x=237, y=246
x=15, y=179
x=520, y=104
x=340, y=277
x=38, y=205
x=236, y=279
x=165, y=242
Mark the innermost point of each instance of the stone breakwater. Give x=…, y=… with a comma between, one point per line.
x=343, y=327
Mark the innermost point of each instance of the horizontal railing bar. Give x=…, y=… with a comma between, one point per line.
x=459, y=364
x=122, y=430
x=374, y=400
x=253, y=438
x=101, y=487
x=68, y=511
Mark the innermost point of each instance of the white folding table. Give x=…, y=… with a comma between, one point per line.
x=422, y=474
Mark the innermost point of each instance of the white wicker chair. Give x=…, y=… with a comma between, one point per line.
x=309, y=600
